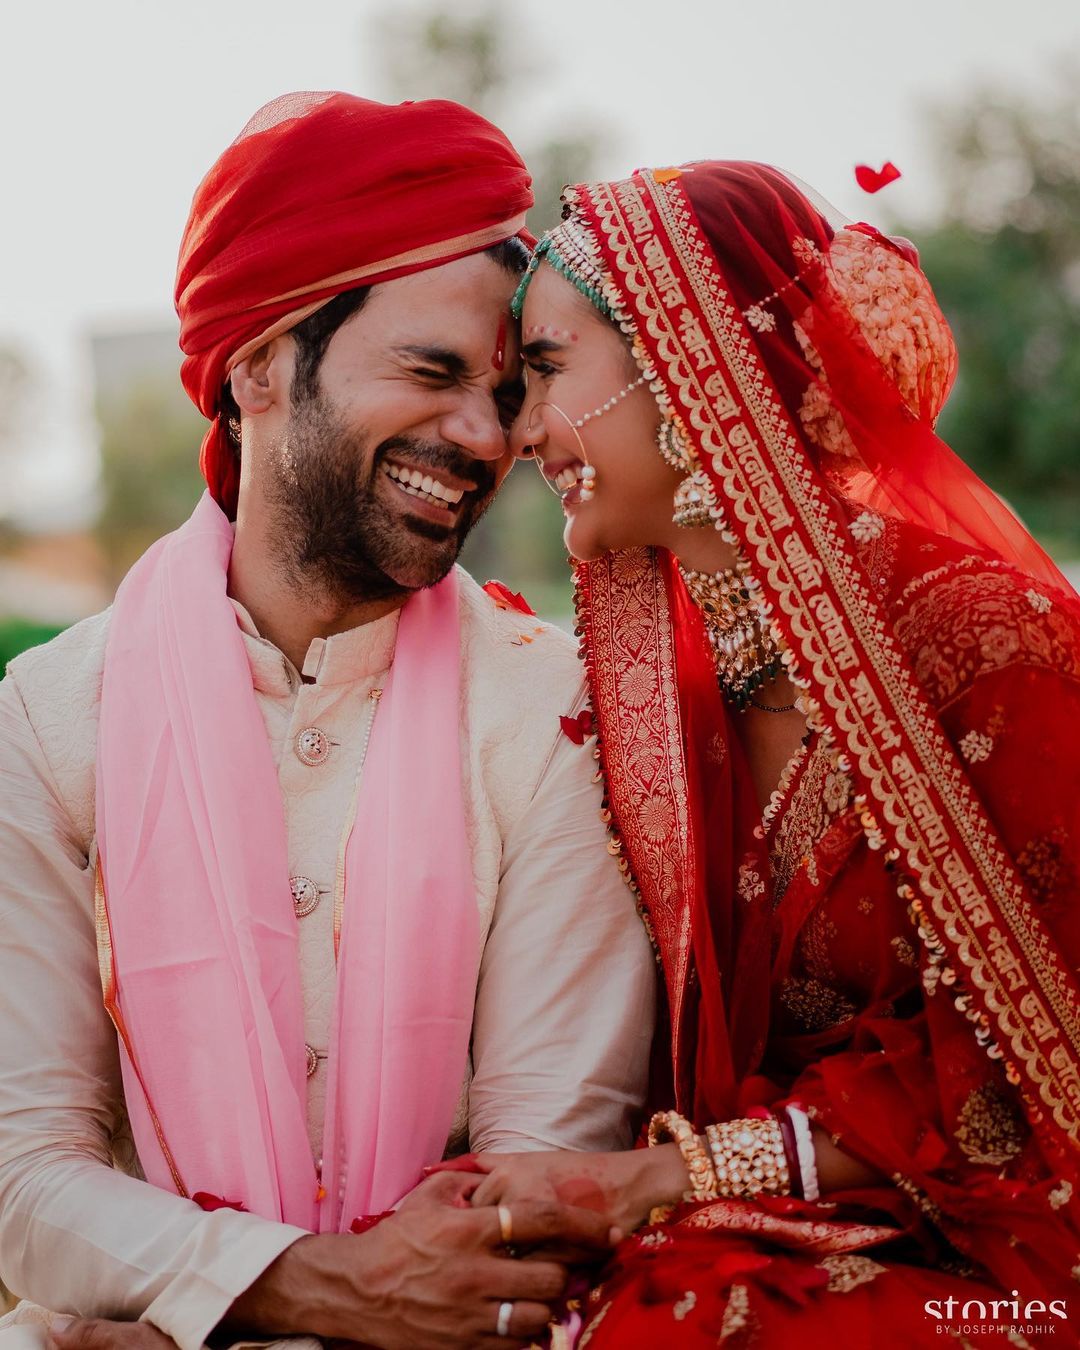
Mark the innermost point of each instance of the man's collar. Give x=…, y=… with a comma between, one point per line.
x=356, y=654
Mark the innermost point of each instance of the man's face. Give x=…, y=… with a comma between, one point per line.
x=380, y=476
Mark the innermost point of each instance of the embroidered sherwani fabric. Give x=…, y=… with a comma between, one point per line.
x=564, y=1008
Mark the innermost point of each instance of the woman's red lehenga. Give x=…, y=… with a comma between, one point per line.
x=895, y=944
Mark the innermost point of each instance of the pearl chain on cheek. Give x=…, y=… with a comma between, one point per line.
x=612, y=401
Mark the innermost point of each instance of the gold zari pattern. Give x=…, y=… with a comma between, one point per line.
x=802, y=551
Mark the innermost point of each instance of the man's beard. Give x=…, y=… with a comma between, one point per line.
x=334, y=535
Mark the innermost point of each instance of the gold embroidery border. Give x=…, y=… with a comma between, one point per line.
x=783, y=476
x=662, y=872
x=823, y=1236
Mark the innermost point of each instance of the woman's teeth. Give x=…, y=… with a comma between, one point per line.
x=568, y=478
x=424, y=486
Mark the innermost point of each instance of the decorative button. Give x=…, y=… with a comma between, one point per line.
x=305, y=895
x=312, y=746
x=312, y=1059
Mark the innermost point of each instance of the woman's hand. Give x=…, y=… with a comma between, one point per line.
x=623, y=1187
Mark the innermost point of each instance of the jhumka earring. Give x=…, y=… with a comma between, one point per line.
x=673, y=444
x=694, y=497
x=693, y=501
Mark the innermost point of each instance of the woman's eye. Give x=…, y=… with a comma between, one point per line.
x=544, y=368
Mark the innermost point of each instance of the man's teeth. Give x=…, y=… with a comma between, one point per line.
x=424, y=485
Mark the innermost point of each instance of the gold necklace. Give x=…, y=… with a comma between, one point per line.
x=742, y=640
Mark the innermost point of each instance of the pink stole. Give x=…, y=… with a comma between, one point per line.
x=196, y=926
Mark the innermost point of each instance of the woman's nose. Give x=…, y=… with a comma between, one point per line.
x=526, y=432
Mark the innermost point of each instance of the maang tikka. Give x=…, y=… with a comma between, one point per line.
x=694, y=497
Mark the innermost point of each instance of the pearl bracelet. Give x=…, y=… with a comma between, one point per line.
x=749, y=1158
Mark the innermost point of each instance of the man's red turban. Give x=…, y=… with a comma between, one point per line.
x=320, y=193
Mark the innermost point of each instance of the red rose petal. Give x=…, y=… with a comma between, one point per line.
x=505, y=598
x=873, y=180
x=579, y=727
x=572, y=730
x=362, y=1225
x=211, y=1202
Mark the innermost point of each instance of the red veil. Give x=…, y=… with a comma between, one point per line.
x=938, y=648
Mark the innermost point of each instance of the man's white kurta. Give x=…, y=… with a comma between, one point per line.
x=565, y=1001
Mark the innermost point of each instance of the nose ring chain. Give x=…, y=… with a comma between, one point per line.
x=588, y=473
x=607, y=407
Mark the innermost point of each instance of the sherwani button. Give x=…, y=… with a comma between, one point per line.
x=305, y=895
x=312, y=1059
x=312, y=746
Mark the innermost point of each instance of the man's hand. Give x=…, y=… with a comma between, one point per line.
x=433, y=1274
x=95, y=1333
x=619, y=1187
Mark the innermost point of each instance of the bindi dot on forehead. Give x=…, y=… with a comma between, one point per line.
x=550, y=330
x=498, y=356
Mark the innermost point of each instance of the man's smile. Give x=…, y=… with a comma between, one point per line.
x=428, y=487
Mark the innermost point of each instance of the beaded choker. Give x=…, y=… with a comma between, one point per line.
x=742, y=641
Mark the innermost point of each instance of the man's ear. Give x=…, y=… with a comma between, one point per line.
x=264, y=378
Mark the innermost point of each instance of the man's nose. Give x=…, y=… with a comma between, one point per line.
x=475, y=426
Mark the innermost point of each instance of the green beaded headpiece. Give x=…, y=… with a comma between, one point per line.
x=568, y=250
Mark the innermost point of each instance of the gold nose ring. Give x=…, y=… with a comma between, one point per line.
x=588, y=473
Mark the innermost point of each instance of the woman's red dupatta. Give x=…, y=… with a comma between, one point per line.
x=675, y=782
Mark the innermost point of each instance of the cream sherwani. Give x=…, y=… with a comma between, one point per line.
x=564, y=1005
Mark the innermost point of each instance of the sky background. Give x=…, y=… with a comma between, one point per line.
x=111, y=111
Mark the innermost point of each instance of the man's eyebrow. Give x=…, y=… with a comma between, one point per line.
x=542, y=346
x=452, y=362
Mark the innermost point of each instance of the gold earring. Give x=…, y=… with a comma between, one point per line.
x=694, y=501
x=673, y=444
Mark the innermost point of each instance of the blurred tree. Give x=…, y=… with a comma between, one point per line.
x=479, y=58
x=149, y=467
x=16, y=388
x=1005, y=262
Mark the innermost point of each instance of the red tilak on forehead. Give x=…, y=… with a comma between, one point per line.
x=498, y=358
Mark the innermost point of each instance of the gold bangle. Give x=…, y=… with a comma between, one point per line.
x=669, y=1125
x=749, y=1158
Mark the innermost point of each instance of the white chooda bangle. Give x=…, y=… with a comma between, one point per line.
x=804, y=1147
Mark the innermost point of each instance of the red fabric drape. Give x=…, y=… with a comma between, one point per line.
x=924, y=929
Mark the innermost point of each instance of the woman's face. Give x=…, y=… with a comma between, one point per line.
x=575, y=361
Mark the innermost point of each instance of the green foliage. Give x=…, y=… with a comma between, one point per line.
x=149, y=468
x=520, y=543
x=17, y=635
x=1005, y=264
